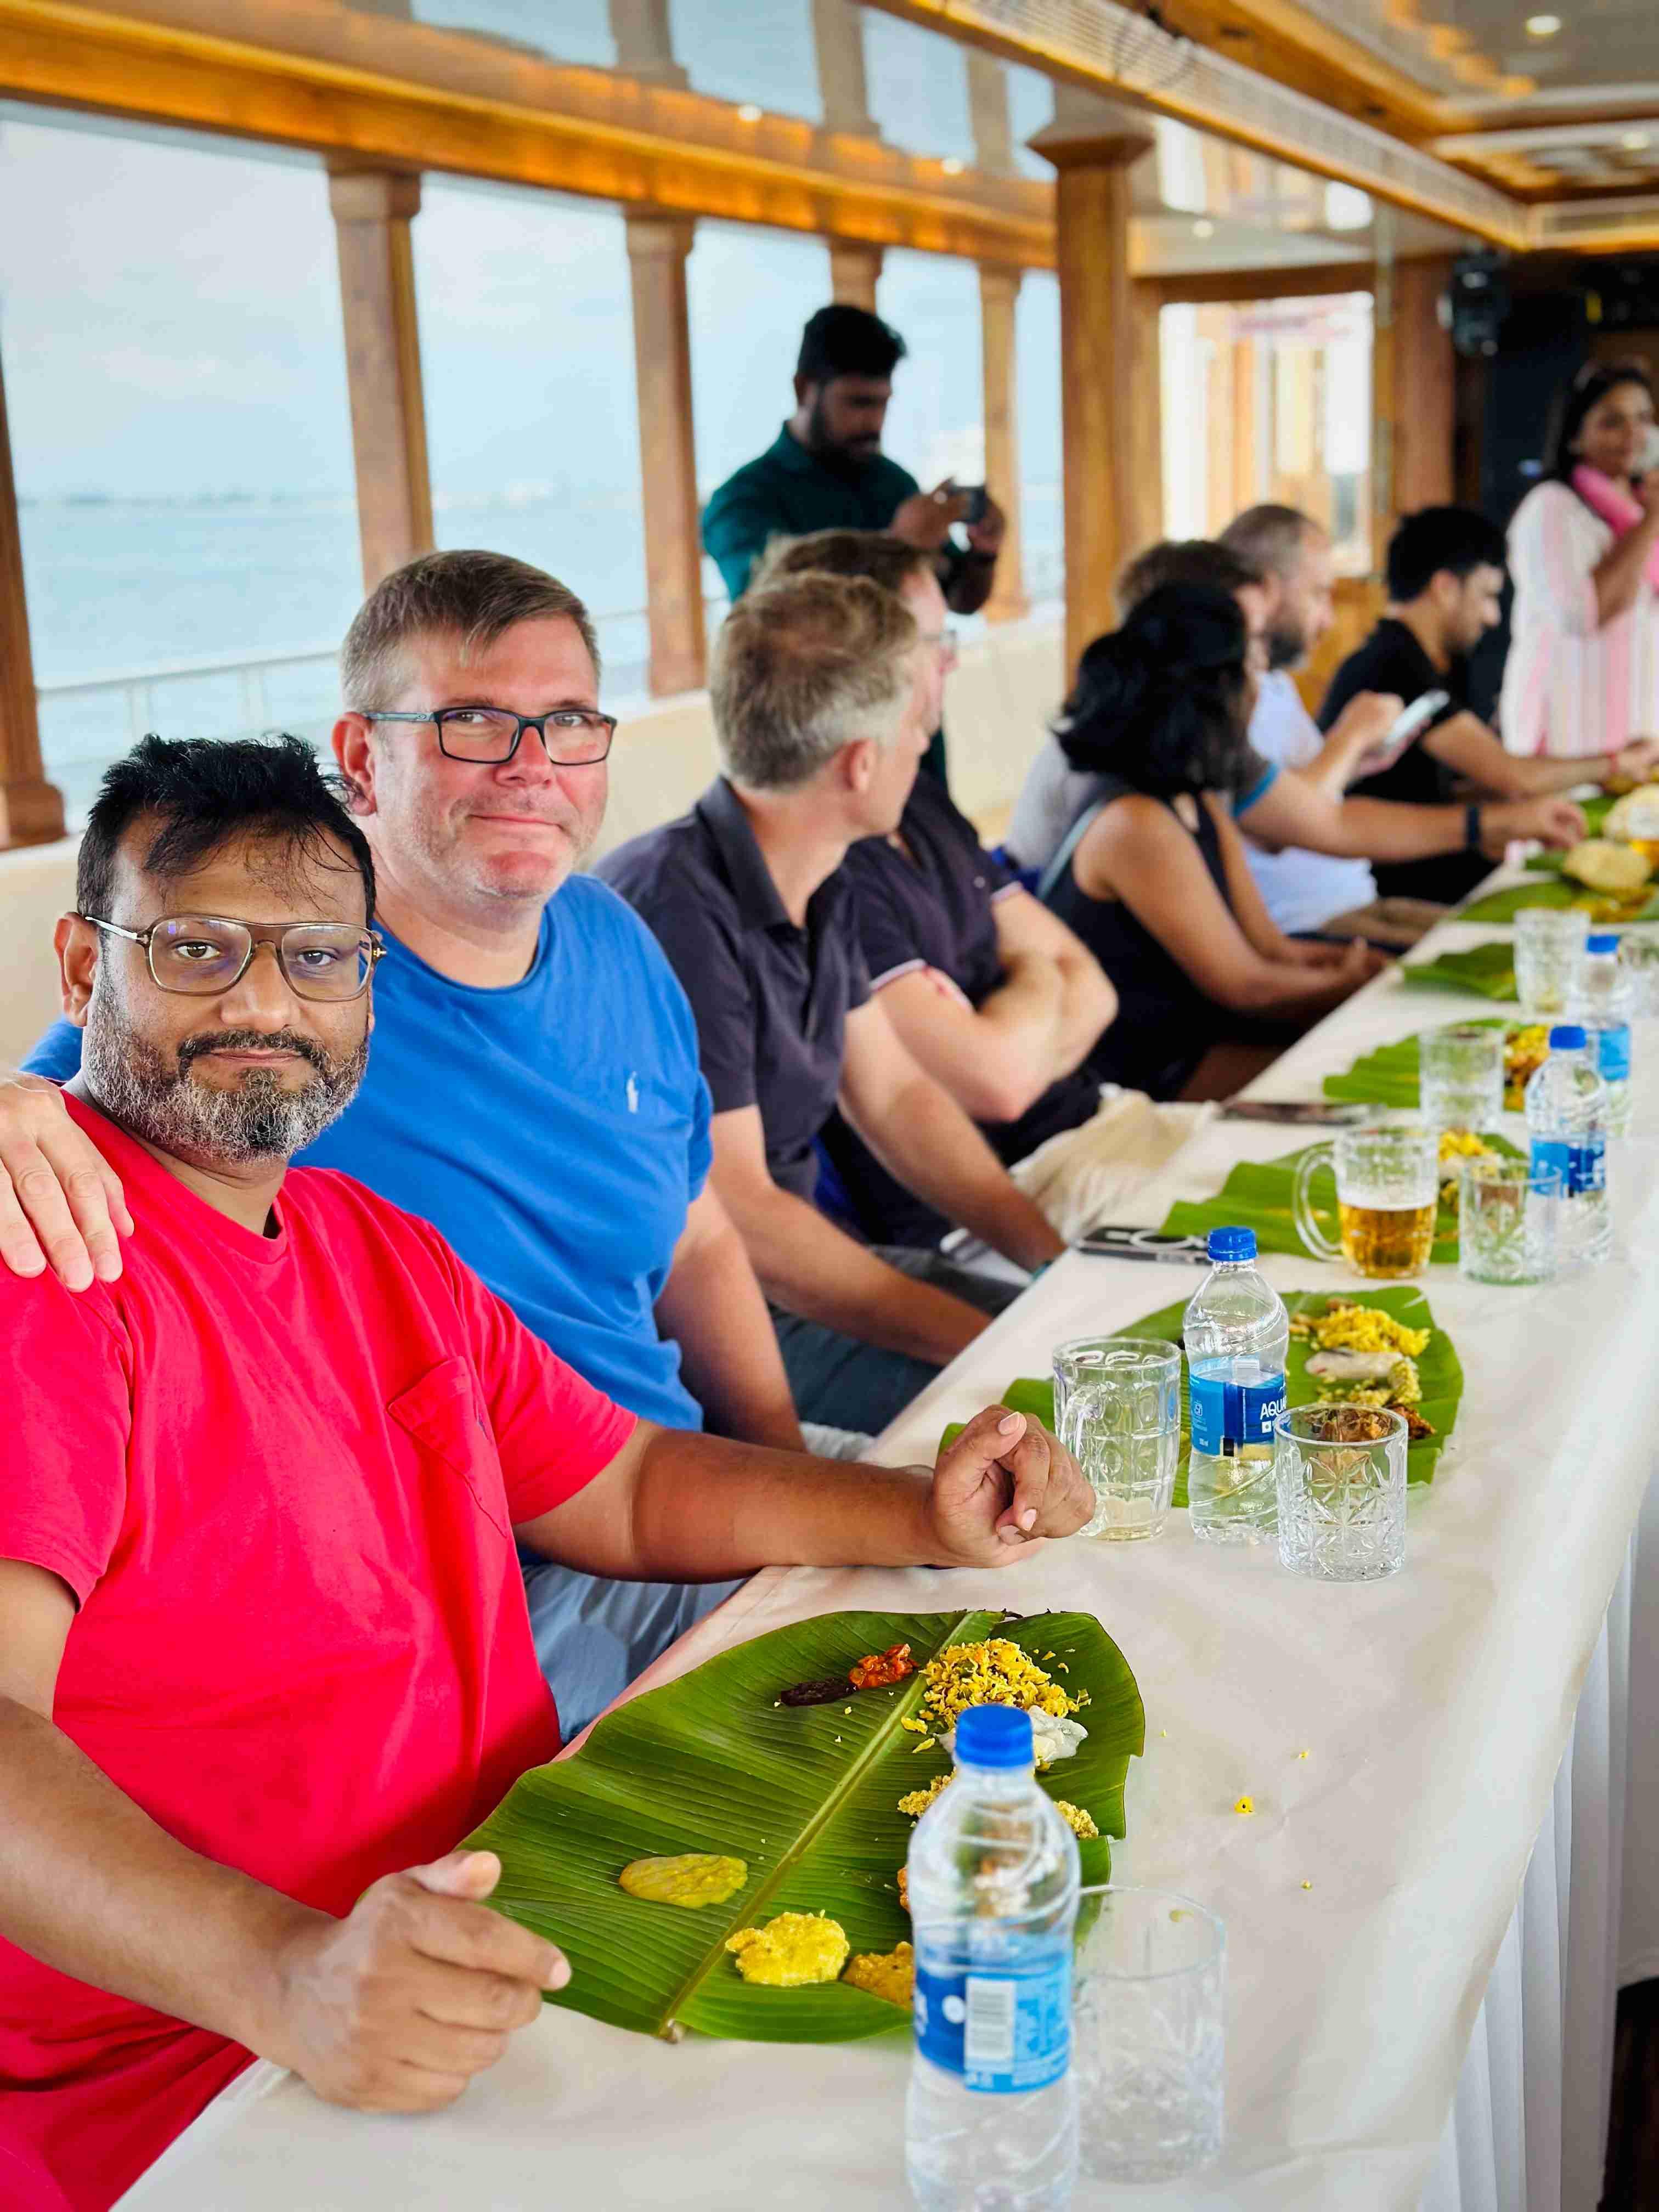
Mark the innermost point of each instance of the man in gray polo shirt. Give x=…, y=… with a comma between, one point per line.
x=820, y=695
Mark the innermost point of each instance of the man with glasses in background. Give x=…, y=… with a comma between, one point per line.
x=535, y=1089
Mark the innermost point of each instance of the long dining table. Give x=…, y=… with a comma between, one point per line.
x=1423, y=1910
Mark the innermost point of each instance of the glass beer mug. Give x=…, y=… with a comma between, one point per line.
x=1388, y=1193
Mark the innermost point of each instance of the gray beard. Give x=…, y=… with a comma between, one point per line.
x=1285, y=650
x=156, y=1098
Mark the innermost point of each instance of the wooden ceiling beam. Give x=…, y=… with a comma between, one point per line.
x=640, y=146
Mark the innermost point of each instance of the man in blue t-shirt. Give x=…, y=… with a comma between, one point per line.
x=533, y=1089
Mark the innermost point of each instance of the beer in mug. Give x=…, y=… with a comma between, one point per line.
x=1388, y=1193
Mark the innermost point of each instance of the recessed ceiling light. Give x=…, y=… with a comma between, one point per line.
x=749, y=112
x=1542, y=26
x=951, y=167
x=1635, y=142
x=1203, y=228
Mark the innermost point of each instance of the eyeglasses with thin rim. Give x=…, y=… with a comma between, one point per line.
x=944, y=642
x=573, y=737
x=198, y=955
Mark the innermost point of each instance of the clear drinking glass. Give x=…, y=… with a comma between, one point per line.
x=1117, y=1411
x=1461, y=1084
x=1638, y=956
x=1148, y=2045
x=1341, y=1474
x=1508, y=1216
x=1549, y=955
x=1388, y=1193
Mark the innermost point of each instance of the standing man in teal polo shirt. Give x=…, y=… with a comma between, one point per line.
x=826, y=470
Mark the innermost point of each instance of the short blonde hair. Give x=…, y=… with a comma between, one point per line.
x=876, y=554
x=803, y=667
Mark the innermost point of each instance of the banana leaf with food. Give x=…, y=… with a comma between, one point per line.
x=1560, y=892
x=1439, y=1369
x=806, y=1796
x=1487, y=969
x=1258, y=1194
x=1391, y=1076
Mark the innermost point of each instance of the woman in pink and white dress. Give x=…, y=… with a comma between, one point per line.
x=1583, y=674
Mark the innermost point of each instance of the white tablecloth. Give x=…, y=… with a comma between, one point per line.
x=1400, y=2032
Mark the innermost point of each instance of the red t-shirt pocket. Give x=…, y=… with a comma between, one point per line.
x=441, y=1413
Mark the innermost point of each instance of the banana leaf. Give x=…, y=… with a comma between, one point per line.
x=1257, y=1194
x=1390, y=1075
x=807, y=1796
x=1487, y=969
x=1560, y=892
x=1439, y=1371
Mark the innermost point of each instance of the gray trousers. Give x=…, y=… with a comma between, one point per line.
x=838, y=1379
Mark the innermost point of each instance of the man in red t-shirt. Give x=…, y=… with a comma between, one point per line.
x=264, y=1654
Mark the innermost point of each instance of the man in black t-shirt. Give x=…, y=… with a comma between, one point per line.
x=1445, y=569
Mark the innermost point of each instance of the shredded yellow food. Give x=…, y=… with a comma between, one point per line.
x=890, y=1974
x=1080, y=1823
x=1360, y=1329
x=916, y=1801
x=995, y=1673
x=795, y=1948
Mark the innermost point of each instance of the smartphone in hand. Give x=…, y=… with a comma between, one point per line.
x=1409, y=723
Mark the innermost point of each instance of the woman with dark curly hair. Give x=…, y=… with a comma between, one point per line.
x=1582, y=674
x=1154, y=877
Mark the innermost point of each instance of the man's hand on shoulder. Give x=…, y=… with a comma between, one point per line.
x=395, y=2008
x=61, y=1202
x=1003, y=1486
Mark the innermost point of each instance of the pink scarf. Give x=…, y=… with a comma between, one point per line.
x=1616, y=507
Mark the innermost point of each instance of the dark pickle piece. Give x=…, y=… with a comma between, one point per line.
x=823, y=1692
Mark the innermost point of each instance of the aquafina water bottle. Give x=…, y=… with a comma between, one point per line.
x=991, y=2121
x=1605, y=989
x=1566, y=1104
x=1236, y=1333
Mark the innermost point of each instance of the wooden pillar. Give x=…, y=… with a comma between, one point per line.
x=854, y=272
x=645, y=42
x=999, y=291
x=656, y=249
x=1146, y=417
x=31, y=809
x=373, y=211
x=1423, y=405
x=988, y=111
x=1097, y=347
x=843, y=88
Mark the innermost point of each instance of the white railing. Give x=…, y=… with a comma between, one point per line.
x=136, y=688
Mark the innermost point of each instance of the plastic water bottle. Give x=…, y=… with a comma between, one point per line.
x=1567, y=1106
x=991, y=2122
x=1605, y=989
x=1237, y=1334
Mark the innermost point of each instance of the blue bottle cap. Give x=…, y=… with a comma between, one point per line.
x=1232, y=1245
x=994, y=1735
x=1602, y=940
x=1567, y=1037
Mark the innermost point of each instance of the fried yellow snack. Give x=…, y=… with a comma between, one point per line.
x=890, y=1974
x=1081, y=1824
x=693, y=1878
x=791, y=1951
x=1602, y=866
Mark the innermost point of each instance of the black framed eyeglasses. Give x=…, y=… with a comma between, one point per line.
x=201, y=954
x=574, y=736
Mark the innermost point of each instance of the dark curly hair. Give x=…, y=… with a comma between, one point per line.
x=1163, y=703
x=199, y=793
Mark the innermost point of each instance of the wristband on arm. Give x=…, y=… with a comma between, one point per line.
x=1472, y=829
